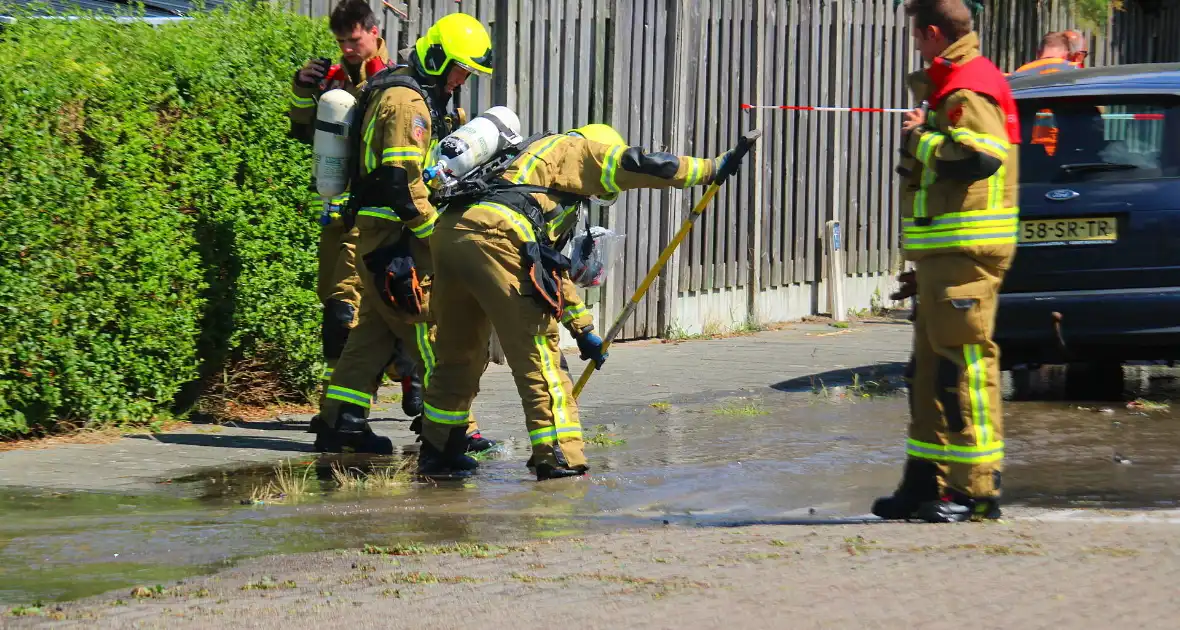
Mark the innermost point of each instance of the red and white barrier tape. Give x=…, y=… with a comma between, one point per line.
x=902, y=110
x=810, y=108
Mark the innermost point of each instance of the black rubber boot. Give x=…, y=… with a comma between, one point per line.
x=450, y=463
x=412, y=396
x=352, y=419
x=956, y=507
x=477, y=443
x=367, y=442
x=548, y=471
x=317, y=425
x=352, y=434
x=919, y=485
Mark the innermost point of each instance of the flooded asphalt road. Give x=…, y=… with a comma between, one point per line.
x=802, y=450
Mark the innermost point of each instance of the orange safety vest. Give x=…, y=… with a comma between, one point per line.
x=1044, y=132
x=1047, y=65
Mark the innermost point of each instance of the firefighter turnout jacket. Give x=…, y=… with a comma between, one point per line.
x=582, y=167
x=961, y=194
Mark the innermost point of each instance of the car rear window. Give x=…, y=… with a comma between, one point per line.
x=1099, y=138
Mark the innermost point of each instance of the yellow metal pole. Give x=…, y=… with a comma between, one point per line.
x=730, y=168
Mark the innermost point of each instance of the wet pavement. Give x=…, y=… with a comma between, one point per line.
x=809, y=448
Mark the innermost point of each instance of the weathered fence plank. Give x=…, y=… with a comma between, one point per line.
x=672, y=75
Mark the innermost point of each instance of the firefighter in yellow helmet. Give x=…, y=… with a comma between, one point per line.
x=400, y=115
x=497, y=266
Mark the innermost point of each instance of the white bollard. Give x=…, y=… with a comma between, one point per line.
x=835, y=252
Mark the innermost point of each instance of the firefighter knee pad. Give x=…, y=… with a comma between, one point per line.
x=337, y=324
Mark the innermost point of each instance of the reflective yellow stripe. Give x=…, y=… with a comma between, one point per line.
x=960, y=229
x=972, y=218
x=609, y=167
x=926, y=146
x=328, y=373
x=336, y=392
x=558, y=397
x=531, y=164
x=301, y=102
x=379, y=213
x=986, y=143
x=549, y=435
x=442, y=416
x=980, y=401
x=996, y=185
x=425, y=350
x=431, y=157
x=544, y=435
x=555, y=223
x=518, y=223
x=572, y=312
x=961, y=238
x=986, y=453
x=427, y=228
x=370, y=159
x=401, y=154
x=694, y=172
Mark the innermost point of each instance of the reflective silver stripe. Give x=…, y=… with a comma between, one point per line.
x=442, y=416
x=945, y=220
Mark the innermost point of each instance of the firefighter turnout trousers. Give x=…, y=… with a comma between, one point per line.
x=479, y=285
x=338, y=286
x=372, y=346
x=956, y=418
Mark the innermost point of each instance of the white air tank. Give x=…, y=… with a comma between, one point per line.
x=473, y=143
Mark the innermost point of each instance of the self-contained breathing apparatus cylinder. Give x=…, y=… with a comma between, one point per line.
x=476, y=142
x=331, y=146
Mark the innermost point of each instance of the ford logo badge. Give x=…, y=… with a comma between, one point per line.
x=1061, y=194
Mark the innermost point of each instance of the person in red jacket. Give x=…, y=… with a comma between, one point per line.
x=959, y=199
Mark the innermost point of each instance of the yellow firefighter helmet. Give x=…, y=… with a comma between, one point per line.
x=456, y=38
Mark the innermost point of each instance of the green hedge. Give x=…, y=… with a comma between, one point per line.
x=155, y=223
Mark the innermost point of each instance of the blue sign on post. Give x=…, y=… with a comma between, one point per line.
x=836, y=236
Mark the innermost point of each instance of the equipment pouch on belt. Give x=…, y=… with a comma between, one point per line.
x=396, y=277
x=545, y=267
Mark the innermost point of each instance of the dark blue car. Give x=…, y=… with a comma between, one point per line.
x=1097, y=271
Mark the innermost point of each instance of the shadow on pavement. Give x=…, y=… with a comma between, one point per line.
x=228, y=441
x=886, y=376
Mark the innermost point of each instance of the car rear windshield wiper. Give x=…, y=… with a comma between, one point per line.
x=1096, y=166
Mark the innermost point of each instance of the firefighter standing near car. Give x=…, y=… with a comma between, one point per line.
x=961, y=199
x=401, y=114
x=338, y=286
x=1052, y=56
x=497, y=268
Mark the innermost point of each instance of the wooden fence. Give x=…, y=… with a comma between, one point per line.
x=671, y=75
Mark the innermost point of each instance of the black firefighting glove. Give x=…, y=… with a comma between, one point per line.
x=908, y=288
